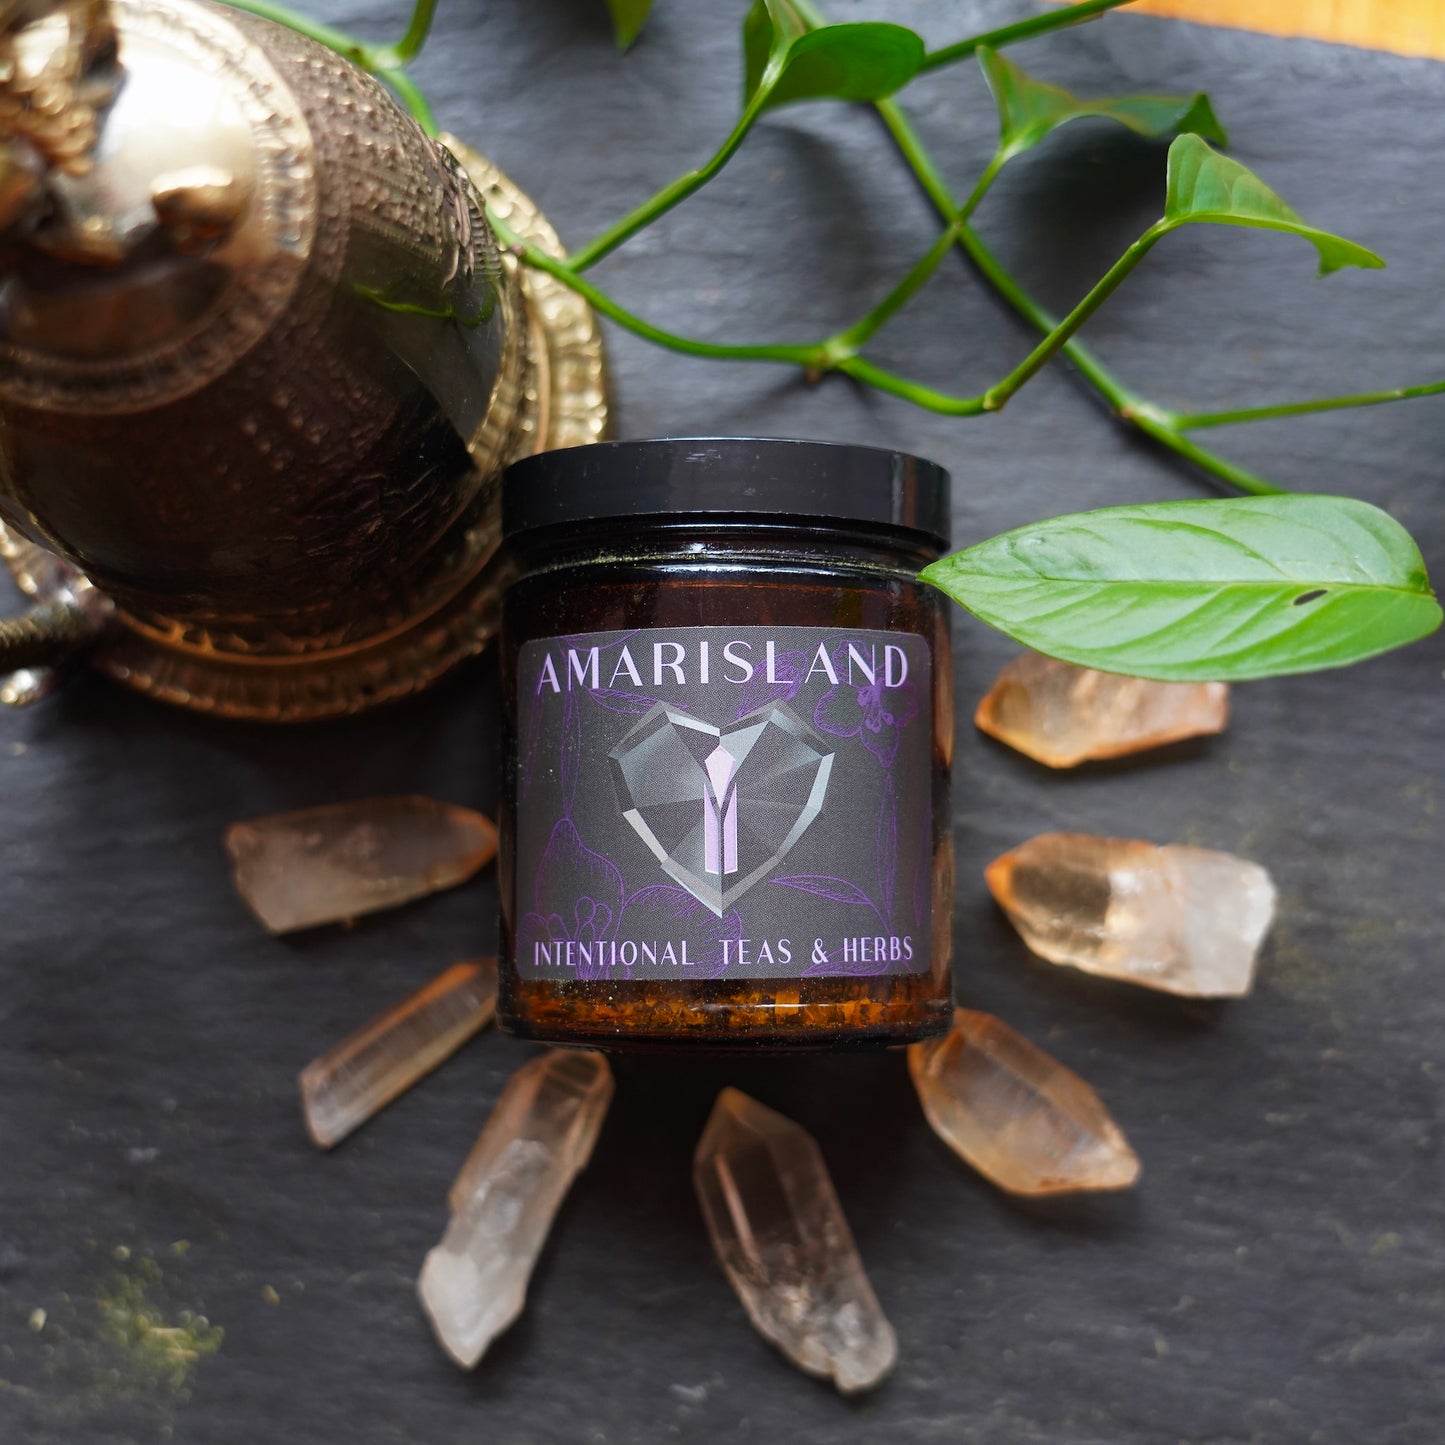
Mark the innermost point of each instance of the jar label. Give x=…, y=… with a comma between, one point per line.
x=694, y=802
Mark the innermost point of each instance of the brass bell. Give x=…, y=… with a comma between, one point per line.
x=260, y=364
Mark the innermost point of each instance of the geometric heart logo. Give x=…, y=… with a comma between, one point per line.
x=720, y=807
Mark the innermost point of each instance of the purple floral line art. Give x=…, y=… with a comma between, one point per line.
x=579, y=898
x=836, y=966
x=874, y=713
x=923, y=880
x=531, y=719
x=790, y=670
x=836, y=890
x=570, y=764
x=885, y=846
x=532, y=706
x=635, y=704
x=840, y=890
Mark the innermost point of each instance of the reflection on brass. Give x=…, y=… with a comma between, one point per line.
x=198, y=207
x=260, y=363
x=57, y=72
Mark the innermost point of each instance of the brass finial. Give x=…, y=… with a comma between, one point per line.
x=260, y=362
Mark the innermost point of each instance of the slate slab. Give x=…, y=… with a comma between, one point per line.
x=1280, y=1274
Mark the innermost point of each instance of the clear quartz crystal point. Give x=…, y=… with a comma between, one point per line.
x=1184, y=920
x=1062, y=715
x=537, y=1140
x=326, y=865
x=362, y=1074
x=1018, y=1116
x=782, y=1240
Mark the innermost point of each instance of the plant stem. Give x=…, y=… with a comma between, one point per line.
x=333, y=39
x=1193, y=421
x=811, y=356
x=1089, y=366
x=862, y=330
x=838, y=352
x=409, y=46
x=815, y=358
x=671, y=194
x=854, y=336
x=1020, y=30
x=1128, y=406
x=410, y=95
x=1152, y=422
x=835, y=353
x=685, y=185
x=383, y=61
x=931, y=180
x=918, y=394
x=997, y=396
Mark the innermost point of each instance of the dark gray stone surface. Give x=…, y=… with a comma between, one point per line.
x=1278, y=1277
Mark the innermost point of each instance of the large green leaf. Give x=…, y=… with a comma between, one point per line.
x=1029, y=109
x=1217, y=590
x=790, y=61
x=628, y=18
x=1206, y=186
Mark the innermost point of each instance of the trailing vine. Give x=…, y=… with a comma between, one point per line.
x=792, y=54
x=1280, y=583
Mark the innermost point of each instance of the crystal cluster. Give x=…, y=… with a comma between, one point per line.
x=1185, y=920
x=363, y=1073
x=1062, y=715
x=1016, y=1115
x=781, y=1238
x=330, y=864
x=535, y=1143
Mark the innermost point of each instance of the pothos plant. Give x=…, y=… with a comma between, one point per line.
x=1257, y=585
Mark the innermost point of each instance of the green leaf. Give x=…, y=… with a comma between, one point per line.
x=790, y=61
x=1206, y=186
x=865, y=61
x=1209, y=590
x=1029, y=109
x=769, y=28
x=628, y=18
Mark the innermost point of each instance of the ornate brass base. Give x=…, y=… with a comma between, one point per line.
x=560, y=401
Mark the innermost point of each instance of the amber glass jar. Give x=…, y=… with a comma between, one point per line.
x=728, y=731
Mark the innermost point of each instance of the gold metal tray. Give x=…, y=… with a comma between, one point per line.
x=561, y=402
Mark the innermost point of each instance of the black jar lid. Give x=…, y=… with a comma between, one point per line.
x=728, y=477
